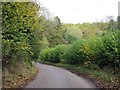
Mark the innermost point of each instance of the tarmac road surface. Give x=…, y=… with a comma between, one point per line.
x=54, y=77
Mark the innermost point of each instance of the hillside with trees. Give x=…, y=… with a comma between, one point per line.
x=91, y=49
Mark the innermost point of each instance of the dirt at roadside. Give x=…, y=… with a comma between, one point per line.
x=20, y=82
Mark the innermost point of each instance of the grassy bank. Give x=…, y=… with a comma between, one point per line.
x=18, y=75
x=102, y=78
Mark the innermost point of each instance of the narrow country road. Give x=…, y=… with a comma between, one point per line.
x=54, y=77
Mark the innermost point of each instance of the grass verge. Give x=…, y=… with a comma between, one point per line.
x=101, y=78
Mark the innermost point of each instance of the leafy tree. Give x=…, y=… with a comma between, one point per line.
x=53, y=32
x=18, y=27
x=57, y=22
x=73, y=33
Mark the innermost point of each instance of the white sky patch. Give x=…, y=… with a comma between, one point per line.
x=79, y=11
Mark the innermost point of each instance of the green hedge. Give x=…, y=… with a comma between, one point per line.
x=106, y=50
x=101, y=51
x=53, y=54
x=74, y=54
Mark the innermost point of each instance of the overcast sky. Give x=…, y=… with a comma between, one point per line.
x=79, y=11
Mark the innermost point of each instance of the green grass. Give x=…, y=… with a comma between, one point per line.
x=95, y=73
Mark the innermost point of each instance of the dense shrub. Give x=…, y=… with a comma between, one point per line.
x=105, y=50
x=53, y=54
x=46, y=54
x=101, y=51
x=59, y=51
x=75, y=54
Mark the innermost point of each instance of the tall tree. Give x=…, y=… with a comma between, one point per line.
x=57, y=22
x=18, y=26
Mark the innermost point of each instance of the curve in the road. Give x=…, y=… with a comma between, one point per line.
x=54, y=77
